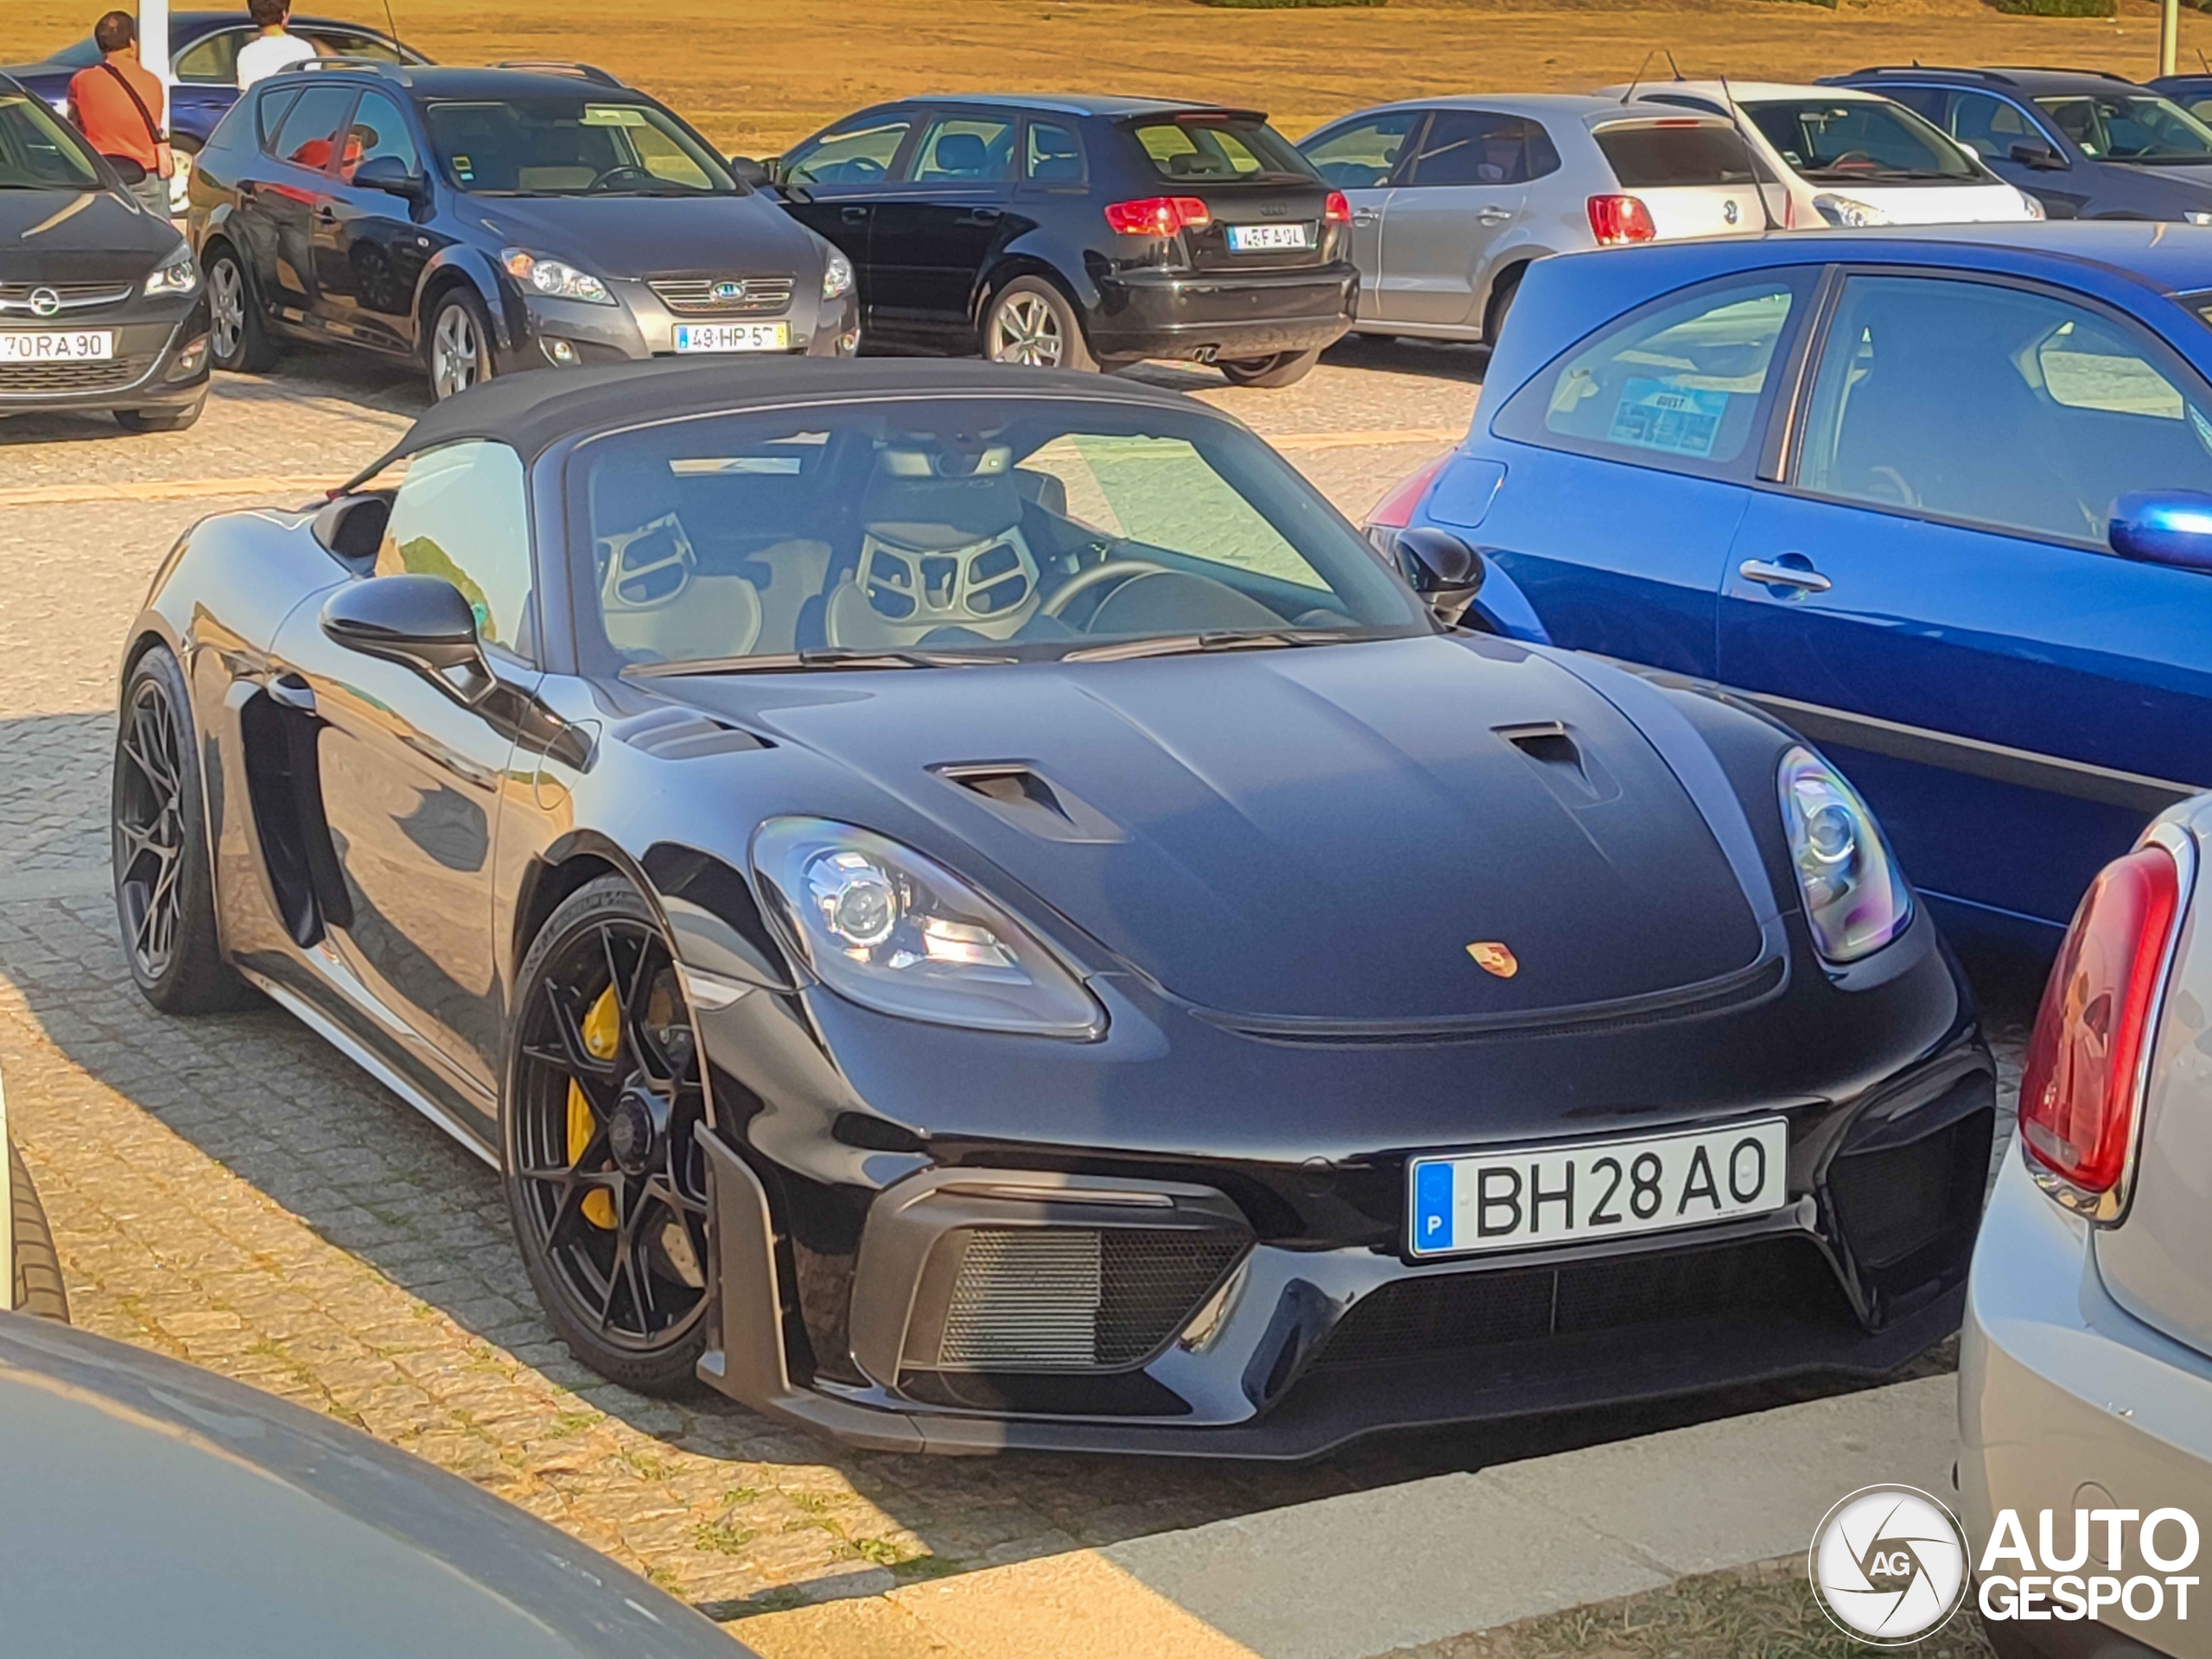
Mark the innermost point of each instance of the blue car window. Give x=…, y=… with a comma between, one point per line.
x=1989, y=126
x=1681, y=384
x=1997, y=406
x=212, y=60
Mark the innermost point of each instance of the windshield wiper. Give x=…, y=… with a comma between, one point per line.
x=786, y=662
x=1171, y=645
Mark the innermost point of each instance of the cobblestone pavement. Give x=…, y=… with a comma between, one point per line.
x=231, y=1191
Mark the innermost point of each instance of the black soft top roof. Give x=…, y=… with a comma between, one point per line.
x=533, y=410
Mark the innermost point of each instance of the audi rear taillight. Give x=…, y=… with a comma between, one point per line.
x=1615, y=219
x=1396, y=510
x=1157, y=215
x=1336, y=210
x=2080, y=1092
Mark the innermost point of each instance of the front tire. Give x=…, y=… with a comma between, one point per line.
x=1501, y=302
x=459, y=345
x=238, y=339
x=164, y=876
x=38, y=1288
x=1030, y=321
x=606, y=1181
x=1283, y=369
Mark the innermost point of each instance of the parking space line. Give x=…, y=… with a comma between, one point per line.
x=164, y=489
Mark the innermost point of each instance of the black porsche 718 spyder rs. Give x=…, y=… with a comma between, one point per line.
x=971, y=910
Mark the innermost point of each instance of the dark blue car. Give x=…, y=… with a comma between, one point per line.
x=1940, y=500
x=203, y=67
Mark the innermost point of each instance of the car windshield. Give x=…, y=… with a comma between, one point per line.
x=571, y=147
x=1225, y=149
x=960, y=532
x=2130, y=127
x=37, y=152
x=1836, y=140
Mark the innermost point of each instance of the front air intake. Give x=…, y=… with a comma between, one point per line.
x=1063, y=1298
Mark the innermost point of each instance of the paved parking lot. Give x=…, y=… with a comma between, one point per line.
x=231, y=1191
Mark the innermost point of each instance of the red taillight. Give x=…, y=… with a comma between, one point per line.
x=1336, y=210
x=1396, y=510
x=1157, y=215
x=1615, y=219
x=2080, y=1090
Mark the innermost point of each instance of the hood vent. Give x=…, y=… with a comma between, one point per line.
x=1568, y=771
x=1023, y=797
x=685, y=735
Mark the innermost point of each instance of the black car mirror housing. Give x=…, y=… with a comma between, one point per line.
x=424, y=622
x=2173, y=527
x=746, y=170
x=2042, y=157
x=1440, y=568
x=391, y=175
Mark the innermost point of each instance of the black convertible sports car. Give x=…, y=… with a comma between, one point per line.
x=972, y=910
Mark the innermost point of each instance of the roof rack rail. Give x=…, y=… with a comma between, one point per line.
x=383, y=66
x=590, y=72
x=2063, y=69
x=1997, y=75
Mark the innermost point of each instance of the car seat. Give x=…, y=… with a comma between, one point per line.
x=1053, y=156
x=939, y=549
x=961, y=155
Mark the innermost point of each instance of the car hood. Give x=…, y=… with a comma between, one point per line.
x=1343, y=833
x=222, y=1521
x=78, y=236
x=642, y=236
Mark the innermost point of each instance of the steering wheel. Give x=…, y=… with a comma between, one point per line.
x=606, y=179
x=1083, y=581
x=1856, y=161
x=860, y=169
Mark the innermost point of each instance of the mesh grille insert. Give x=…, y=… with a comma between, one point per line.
x=87, y=375
x=1068, y=1299
x=712, y=297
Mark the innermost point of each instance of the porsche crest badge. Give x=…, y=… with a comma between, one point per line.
x=1492, y=956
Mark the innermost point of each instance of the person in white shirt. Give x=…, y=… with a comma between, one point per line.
x=274, y=47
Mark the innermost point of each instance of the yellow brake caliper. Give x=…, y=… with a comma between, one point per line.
x=602, y=1033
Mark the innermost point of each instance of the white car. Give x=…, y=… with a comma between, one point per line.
x=1451, y=198
x=2085, y=1365
x=1842, y=157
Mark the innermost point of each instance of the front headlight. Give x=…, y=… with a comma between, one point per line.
x=1855, y=899
x=837, y=275
x=894, y=932
x=178, y=274
x=555, y=278
x=1846, y=212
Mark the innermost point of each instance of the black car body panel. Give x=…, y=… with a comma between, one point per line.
x=238, y=1523
x=74, y=261
x=328, y=258
x=931, y=254
x=1273, y=864
x=203, y=58
x=1996, y=113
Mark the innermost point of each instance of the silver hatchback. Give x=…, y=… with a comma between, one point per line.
x=1451, y=198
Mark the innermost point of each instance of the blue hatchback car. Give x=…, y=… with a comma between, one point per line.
x=1940, y=500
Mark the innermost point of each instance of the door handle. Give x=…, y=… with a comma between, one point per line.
x=1494, y=215
x=1803, y=577
x=1365, y=216
x=293, y=692
x=986, y=215
x=326, y=214
x=854, y=215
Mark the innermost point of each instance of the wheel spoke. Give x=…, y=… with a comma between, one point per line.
x=570, y=1054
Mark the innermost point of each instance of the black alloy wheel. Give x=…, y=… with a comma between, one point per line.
x=164, y=880
x=605, y=1180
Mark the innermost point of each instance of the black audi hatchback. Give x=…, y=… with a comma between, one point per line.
x=100, y=307
x=1080, y=233
x=488, y=220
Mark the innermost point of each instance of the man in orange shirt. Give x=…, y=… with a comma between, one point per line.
x=118, y=105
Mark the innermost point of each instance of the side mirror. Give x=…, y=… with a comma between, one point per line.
x=390, y=175
x=2042, y=157
x=2164, y=527
x=748, y=171
x=423, y=621
x=1440, y=568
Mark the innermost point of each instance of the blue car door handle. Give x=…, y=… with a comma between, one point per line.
x=1803, y=577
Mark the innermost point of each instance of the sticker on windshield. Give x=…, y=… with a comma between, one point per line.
x=463, y=168
x=613, y=115
x=1681, y=420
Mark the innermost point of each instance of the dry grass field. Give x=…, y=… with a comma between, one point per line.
x=755, y=77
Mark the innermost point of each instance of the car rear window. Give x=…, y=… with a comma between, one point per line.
x=1654, y=157
x=1215, y=148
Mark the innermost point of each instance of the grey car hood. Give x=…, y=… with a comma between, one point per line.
x=156, y=1508
x=643, y=236
x=78, y=236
